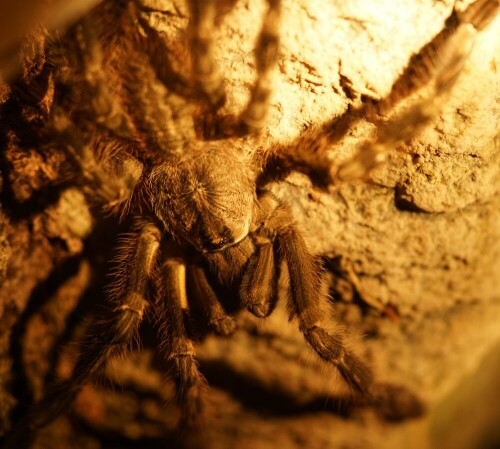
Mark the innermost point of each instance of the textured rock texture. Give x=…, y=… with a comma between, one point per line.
x=414, y=255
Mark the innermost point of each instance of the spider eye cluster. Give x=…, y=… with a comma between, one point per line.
x=217, y=244
x=212, y=242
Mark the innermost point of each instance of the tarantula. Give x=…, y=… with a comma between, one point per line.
x=208, y=232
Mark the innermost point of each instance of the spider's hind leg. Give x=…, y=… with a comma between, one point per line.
x=266, y=56
x=205, y=74
x=108, y=173
x=89, y=122
x=253, y=117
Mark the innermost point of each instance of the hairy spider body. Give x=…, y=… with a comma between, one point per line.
x=207, y=227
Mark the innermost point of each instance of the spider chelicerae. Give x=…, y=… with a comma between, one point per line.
x=209, y=236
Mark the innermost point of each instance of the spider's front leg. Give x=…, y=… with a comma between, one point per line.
x=306, y=289
x=176, y=332
x=107, y=338
x=206, y=300
x=259, y=286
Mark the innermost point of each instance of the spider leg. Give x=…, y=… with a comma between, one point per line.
x=436, y=65
x=200, y=32
x=141, y=83
x=95, y=135
x=266, y=56
x=305, y=281
x=177, y=346
x=259, y=286
x=253, y=117
x=159, y=51
x=199, y=289
x=445, y=61
x=112, y=180
x=108, y=337
x=102, y=106
x=306, y=298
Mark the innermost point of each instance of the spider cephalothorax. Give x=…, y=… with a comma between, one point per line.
x=208, y=230
x=189, y=197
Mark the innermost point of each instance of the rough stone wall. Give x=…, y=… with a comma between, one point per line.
x=414, y=256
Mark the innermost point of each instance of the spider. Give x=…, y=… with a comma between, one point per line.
x=209, y=235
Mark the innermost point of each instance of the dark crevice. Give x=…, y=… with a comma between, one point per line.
x=403, y=202
x=391, y=403
x=97, y=255
x=346, y=86
x=40, y=295
x=271, y=402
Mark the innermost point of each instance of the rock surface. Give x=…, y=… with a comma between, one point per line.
x=414, y=256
